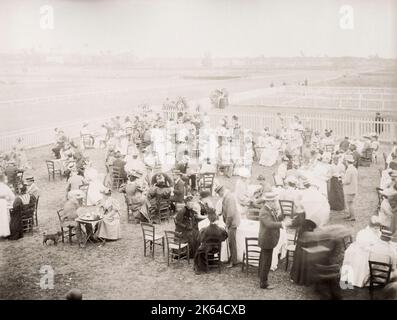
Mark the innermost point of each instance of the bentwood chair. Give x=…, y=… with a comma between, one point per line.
x=251, y=254
x=69, y=232
x=52, y=171
x=379, y=275
x=151, y=239
x=176, y=249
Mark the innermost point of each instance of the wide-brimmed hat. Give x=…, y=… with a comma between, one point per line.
x=188, y=198
x=270, y=196
x=284, y=158
x=136, y=174
x=29, y=179
x=205, y=194
x=349, y=158
x=244, y=173
x=291, y=180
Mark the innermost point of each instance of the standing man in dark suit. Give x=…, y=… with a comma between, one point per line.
x=231, y=216
x=269, y=234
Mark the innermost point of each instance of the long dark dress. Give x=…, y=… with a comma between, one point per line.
x=211, y=233
x=16, y=213
x=336, y=196
x=301, y=271
x=186, y=224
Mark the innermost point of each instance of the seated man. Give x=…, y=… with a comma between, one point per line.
x=211, y=233
x=178, y=191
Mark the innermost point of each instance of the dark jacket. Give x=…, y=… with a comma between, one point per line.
x=269, y=228
x=179, y=191
x=212, y=232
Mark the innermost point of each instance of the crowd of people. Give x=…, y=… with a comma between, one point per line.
x=159, y=162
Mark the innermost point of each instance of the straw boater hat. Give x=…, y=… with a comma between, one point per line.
x=349, y=158
x=244, y=173
x=270, y=196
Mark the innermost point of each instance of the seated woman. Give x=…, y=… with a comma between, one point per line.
x=355, y=263
x=300, y=273
x=23, y=204
x=186, y=225
x=211, y=233
x=109, y=227
x=95, y=185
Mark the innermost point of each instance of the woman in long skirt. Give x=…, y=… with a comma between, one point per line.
x=300, y=271
x=336, y=196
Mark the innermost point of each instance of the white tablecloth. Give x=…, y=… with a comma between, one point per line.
x=247, y=229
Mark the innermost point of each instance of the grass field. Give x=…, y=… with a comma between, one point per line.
x=119, y=271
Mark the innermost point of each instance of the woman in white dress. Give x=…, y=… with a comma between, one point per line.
x=270, y=152
x=95, y=185
x=7, y=198
x=109, y=227
x=355, y=269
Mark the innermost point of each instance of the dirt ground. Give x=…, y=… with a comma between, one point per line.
x=119, y=270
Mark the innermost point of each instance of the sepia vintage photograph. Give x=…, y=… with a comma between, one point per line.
x=198, y=150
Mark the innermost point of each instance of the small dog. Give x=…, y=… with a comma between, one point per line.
x=54, y=237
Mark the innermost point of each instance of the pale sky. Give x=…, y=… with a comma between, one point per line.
x=189, y=28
